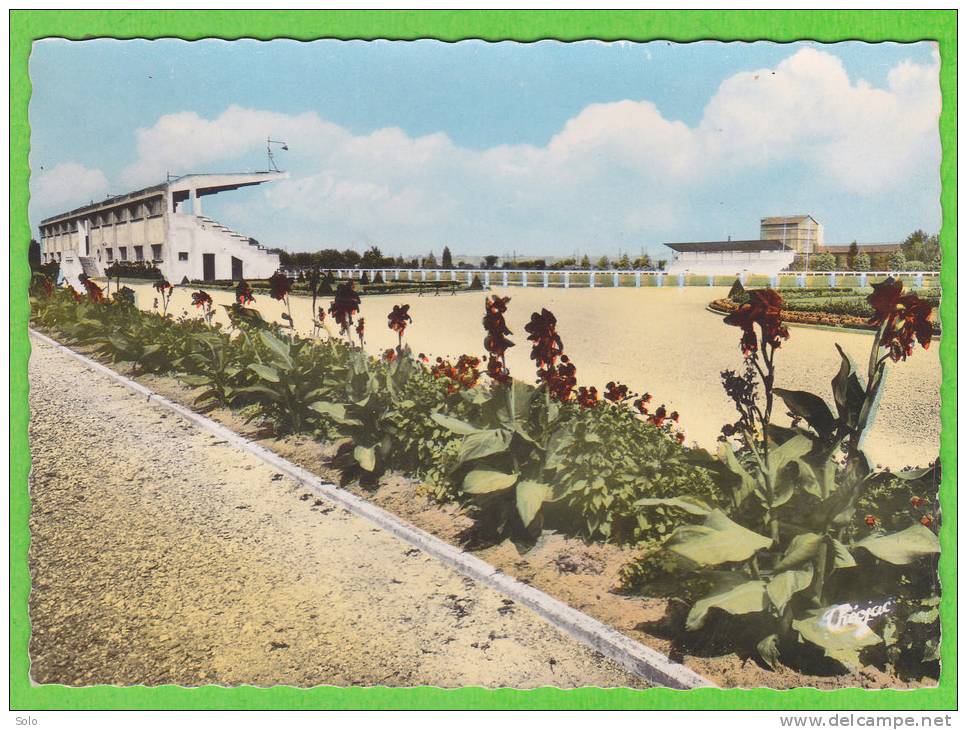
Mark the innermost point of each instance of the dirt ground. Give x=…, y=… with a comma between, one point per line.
x=583, y=575
x=160, y=554
x=659, y=340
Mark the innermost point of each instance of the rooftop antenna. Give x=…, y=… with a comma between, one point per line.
x=268, y=151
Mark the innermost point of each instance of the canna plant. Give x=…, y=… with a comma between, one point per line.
x=783, y=551
x=165, y=291
x=202, y=300
x=280, y=286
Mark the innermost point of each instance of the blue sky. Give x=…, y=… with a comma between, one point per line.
x=543, y=148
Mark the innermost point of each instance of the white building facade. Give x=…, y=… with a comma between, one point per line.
x=730, y=258
x=162, y=225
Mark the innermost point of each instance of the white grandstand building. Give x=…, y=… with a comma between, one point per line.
x=163, y=225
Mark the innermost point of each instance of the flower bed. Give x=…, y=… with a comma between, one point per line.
x=759, y=544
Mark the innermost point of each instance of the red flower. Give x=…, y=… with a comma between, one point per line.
x=463, y=374
x=659, y=416
x=917, y=501
x=542, y=331
x=322, y=315
x=616, y=392
x=389, y=355
x=926, y=521
x=587, y=397
x=95, y=292
x=279, y=285
x=161, y=285
x=398, y=319
x=674, y=416
x=680, y=437
x=764, y=308
x=243, y=293
x=903, y=317
x=496, y=342
x=561, y=379
x=201, y=299
x=870, y=521
x=360, y=328
x=640, y=405
x=344, y=306
x=423, y=358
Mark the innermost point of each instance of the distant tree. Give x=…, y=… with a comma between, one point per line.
x=373, y=258
x=378, y=279
x=935, y=264
x=351, y=258
x=364, y=279
x=823, y=262
x=33, y=255
x=661, y=264
x=490, y=260
x=430, y=261
x=914, y=265
x=446, y=258
x=603, y=263
x=643, y=262
x=585, y=262
x=624, y=262
x=854, y=250
x=897, y=261
x=919, y=246
x=861, y=262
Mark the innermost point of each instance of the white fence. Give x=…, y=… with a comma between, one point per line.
x=591, y=278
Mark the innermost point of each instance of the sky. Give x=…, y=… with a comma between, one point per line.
x=541, y=149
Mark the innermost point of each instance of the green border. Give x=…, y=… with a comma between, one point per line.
x=678, y=25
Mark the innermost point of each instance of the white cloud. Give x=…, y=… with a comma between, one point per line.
x=69, y=184
x=613, y=174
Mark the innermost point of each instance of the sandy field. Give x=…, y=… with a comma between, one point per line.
x=162, y=555
x=659, y=340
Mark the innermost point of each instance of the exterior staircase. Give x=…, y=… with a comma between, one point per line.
x=206, y=221
x=89, y=266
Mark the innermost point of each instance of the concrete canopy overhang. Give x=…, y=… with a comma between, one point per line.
x=210, y=184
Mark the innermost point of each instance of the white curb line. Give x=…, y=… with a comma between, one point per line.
x=637, y=658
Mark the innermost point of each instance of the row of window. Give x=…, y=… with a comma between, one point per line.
x=138, y=253
x=136, y=212
x=122, y=254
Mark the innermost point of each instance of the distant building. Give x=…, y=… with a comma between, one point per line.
x=879, y=254
x=801, y=233
x=730, y=258
x=164, y=225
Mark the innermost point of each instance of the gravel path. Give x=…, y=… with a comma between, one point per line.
x=161, y=555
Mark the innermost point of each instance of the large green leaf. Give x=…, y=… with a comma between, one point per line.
x=366, y=457
x=530, y=496
x=802, y=549
x=484, y=481
x=455, y=425
x=279, y=348
x=902, y=548
x=719, y=540
x=483, y=443
x=747, y=597
x=809, y=407
x=848, y=392
x=265, y=372
x=336, y=411
x=768, y=649
x=793, y=449
x=842, y=557
x=692, y=505
x=747, y=484
x=842, y=643
x=786, y=584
